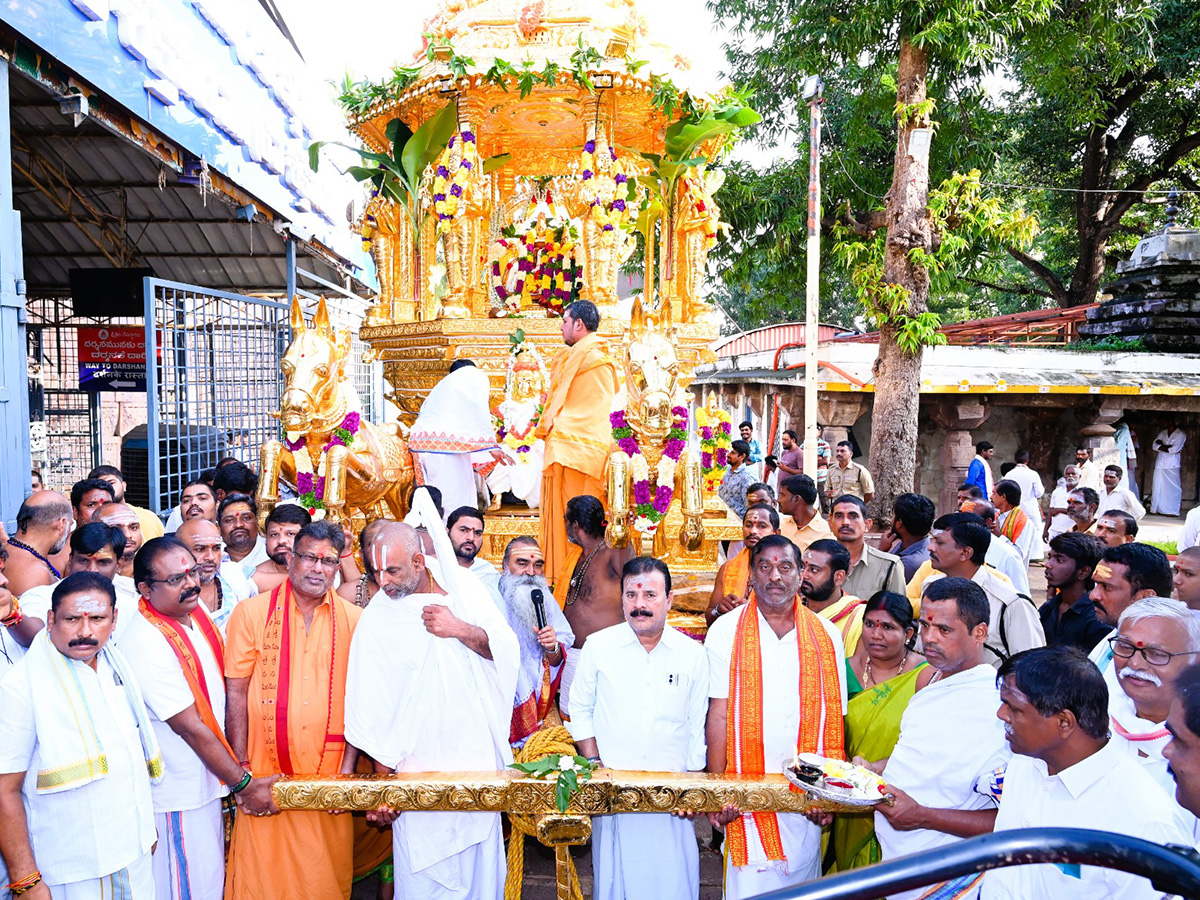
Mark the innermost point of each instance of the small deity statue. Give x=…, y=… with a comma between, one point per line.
x=697, y=221
x=516, y=419
x=460, y=205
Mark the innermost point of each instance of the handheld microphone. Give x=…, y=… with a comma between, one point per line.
x=539, y=606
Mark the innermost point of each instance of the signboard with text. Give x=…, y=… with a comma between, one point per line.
x=112, y=359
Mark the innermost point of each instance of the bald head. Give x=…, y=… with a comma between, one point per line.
x=982, y=508
x=198, y=528
x=42, y=511
x=398, y=559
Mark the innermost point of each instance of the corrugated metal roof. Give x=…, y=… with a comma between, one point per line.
x=772, y=337
x=176, y=231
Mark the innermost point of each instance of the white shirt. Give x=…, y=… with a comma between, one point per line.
x=36, y=602
x=1089, y=476
x=622, y=694
x=1108, y=791
x=489, y=575
x=1173, y=440
x=950, y=745
x=1190, y=536
x=1006, y=559
x=236, y=586
x=100, y=827
x=781, y=712
x=187, y=783
x=1030, y=483
x=252, y=559
x=1061, y=522
x=1122, y=499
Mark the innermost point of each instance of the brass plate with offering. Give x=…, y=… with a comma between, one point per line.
x=836, y=781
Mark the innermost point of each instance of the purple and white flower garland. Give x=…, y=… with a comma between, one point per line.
x=651, y=502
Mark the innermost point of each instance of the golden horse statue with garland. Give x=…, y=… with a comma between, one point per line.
x=651, y=467
x=340, y=464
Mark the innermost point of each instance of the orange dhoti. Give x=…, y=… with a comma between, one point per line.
x=560, y=484
x=296, y=703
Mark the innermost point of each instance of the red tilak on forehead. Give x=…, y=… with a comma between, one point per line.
x=1139, y=643
x=639, y=585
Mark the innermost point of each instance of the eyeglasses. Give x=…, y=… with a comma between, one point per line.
x=1155, y=656
x=328, y=562
x=174, y=581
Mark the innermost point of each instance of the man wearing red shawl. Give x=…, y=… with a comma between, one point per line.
x=178, y=657
x=777, y=687
x=286, y=658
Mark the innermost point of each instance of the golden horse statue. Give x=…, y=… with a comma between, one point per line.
x=653, y=459
x=340, y=464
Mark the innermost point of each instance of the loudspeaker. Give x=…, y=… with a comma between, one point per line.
x=108, y=293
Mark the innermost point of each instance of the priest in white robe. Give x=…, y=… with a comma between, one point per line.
x=1167, y=493
x=429, y=689
x=454, y=433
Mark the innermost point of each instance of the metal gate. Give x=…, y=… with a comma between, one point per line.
x=213, y=382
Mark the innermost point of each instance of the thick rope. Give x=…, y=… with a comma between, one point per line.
x=545, y=742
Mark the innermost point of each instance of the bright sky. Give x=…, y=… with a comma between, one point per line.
x=368, y=38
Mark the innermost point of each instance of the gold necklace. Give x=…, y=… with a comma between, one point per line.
x=577, y=581
x=867, y=667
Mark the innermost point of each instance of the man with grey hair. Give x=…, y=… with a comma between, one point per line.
x=1058, y=518
x=542, y=631
x=432, y=675
x=1157, y=638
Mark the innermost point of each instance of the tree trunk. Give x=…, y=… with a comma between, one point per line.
x=897, y=373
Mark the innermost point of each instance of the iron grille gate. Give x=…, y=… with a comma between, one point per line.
x=213, y=382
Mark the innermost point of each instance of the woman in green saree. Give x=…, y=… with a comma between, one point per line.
x=882, y=676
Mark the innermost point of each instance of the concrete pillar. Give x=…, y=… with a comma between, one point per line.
x=958, y=418
x=1098, y=435
x=838, y=413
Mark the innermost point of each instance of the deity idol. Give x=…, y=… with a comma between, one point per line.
x=516, y=419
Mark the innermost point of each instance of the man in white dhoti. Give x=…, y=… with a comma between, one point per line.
x=454, y=433
x=1157, y=639
x=1167, y=492
x=178, y=656
x=1032, y=490
x=431, y=680
x=951, y=743
x=1067, y=773
x=542, y=632
x=757, y=716
x=639, y=702
x=77, y=757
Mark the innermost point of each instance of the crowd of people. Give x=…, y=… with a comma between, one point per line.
x=156, y=680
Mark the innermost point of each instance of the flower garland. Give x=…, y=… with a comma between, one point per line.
x=715, y=428
x=619, y=213
x=651, y=504
x=519, y=440
x=448, y=187
x=547, y=272
x=310, y=483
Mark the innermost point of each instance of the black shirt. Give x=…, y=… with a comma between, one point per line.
x=1078, y=626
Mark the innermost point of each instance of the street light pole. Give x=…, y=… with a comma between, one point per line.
x=813, y=96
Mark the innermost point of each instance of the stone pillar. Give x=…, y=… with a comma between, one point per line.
x=1042, y=440
x=1098, y=436
x=958, y=418
x=837, y=413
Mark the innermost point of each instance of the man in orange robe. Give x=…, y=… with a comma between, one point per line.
x=286, y=655
x=575, y=426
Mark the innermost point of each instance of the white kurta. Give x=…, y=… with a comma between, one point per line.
x=1122, y=499
x=1107, y=791
x=1190, y=536
x=1060, y=523
x=622, y=694
x=781, y=726
x=1032, y=491
x=1167, y=493
x=419, y=703
x=950, y=745
x=1006, y=559
x=1090, y=475
x=89, y=836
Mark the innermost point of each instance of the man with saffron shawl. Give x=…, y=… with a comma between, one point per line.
x=758, y=654
x=178, y=656
x=286, y=658
x=575, y=426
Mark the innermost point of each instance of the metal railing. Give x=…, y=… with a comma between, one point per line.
x=1172, y=870
x=212, y=379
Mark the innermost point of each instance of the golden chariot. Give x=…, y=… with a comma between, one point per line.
x=541, y=120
